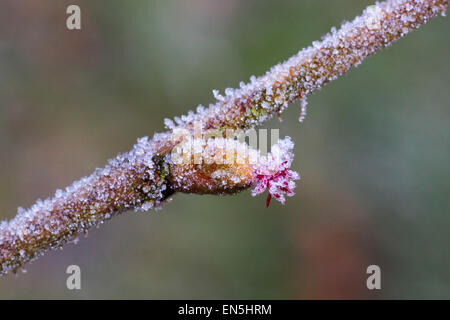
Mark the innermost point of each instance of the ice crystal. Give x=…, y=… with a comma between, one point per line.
x=303, y=110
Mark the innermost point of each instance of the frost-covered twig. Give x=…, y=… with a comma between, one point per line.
x=147, y=176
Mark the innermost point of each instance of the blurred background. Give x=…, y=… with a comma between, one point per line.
x=373, y=152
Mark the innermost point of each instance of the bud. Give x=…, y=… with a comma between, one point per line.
x=228, y=166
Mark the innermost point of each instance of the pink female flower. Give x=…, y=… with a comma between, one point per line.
x=274, y=173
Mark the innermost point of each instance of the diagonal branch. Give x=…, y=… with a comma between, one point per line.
x=146, y=176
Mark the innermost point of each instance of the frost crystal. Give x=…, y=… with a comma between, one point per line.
x=303, y=110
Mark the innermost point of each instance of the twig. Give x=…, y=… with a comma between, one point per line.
x=147, y=176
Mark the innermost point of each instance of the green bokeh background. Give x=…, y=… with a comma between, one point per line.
x=373, y=152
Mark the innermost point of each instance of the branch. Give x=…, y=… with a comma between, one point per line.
x=148, y=176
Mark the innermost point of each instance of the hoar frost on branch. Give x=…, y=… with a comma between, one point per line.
x=147, y=176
